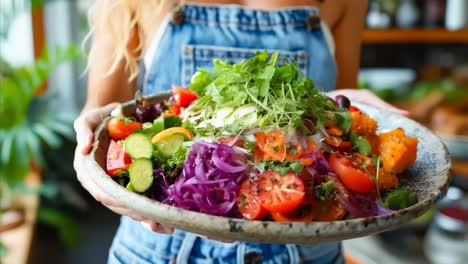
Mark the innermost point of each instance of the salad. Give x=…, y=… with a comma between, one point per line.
x=256, y=140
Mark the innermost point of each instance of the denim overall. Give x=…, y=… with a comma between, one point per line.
x=193, y=38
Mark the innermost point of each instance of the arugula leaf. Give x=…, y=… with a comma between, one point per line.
x=325, y=191
x=400, y=198
x=360, y=144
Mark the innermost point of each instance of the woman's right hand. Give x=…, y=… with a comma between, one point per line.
x=84, y=127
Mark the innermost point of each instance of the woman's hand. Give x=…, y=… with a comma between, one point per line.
x=368, y=98
x=84, y=127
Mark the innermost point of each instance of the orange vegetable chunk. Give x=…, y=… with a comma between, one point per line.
x=362, y=124
x=398, y=151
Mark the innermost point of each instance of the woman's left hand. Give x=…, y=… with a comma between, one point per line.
x=368, y=98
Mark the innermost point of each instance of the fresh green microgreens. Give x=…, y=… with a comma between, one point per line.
x=343, y=120
x=281, y=94
x=282, y=167
x=360, y=144
x=377, y=176
x=325, y=191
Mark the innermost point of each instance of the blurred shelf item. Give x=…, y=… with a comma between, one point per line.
x=402, y=36
x=18, y=240
x=460, y=167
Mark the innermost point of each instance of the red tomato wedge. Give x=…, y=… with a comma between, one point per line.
x=248, y=202
x=117, y=159
x=183, y=97
x=278, y=193
x=302, y=214
x=327, y=210
x=353, y=176
x=120, y=129
x=272, y=146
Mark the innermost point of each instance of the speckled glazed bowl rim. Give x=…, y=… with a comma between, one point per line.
x=260, y=231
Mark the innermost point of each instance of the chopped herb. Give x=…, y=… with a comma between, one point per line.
x=260, y=167
x=325, y=191
x=296, y=167
x=293, y=151
x=276, y=148
x=283, y=171
x=360, y=144
x=400, y=198
x=250, y=145
x=343, y=120
x=365, y=164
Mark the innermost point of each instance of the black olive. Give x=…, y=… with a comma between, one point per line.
x=343, y=101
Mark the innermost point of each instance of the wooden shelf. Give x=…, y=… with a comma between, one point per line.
x=18, y=240
x=402, y=36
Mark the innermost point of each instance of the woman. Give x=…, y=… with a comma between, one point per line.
x=170, y=40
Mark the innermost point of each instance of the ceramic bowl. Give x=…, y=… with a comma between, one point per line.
x=429, y=177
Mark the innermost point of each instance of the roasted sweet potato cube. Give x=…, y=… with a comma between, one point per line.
x=398, y=151
x=362, y=123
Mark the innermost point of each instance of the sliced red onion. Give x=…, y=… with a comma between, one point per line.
x=210, y=179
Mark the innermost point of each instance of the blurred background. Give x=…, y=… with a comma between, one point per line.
x=415, y=55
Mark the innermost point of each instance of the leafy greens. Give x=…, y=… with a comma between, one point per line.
x=282, y=95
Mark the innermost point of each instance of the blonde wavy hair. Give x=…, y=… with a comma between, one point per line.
x=120, y=20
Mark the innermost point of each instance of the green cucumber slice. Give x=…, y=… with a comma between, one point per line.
x=141, y=174
x=168, y=146
x=138, y=146
x=130, y=187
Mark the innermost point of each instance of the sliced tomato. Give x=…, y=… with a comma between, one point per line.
x=353, y=109
x=183, y=97
x=272, y=145
x=248, y=202
x=354, y=176
x=176, y=109
x=327, y=210
x=120, y=128
x=278, y=193
x=117, y=159
x=303, y=213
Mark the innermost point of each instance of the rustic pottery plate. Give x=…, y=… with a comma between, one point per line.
x=429, y=177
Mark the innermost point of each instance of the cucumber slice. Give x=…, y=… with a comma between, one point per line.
x=168, y=146
x=141, y=174
x=138, y=146
x=129, y=187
